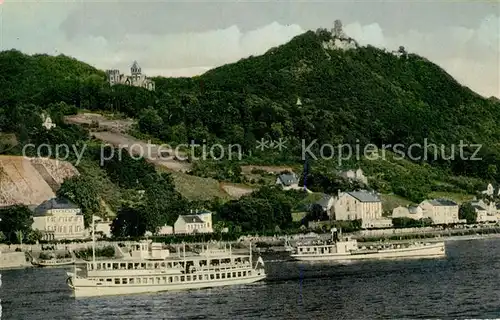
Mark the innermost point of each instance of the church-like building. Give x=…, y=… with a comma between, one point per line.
x=136, y=79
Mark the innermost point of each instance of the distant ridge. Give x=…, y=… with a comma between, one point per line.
x=30, y=181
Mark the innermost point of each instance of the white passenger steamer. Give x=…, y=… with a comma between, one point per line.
x=150, y=268
x=345, y=248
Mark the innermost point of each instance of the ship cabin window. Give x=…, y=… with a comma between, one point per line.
x=162, y=264
x=124, y=281
x=149, y=265
x=182, y=278
x=217, y=276
x=131, y=281
x=98, y=266
x=115, y=266
x=300, y=249
x=109, y=280
x=188, y=278
x=203, y=263
x=136, y=265
x=123, y=266
x=130, y=266
x=249, y=272
x=200, y=277
x=170, y=279
x=212, y=276
x=176, y=279
x=102, y=280
x=143, y=266
x=157, y=265
x=138, y=280
x=244, y=273
x=169, y=265
x=239, y=274
x=117, y=280
x=151, y=280
x=165, y=279
x=229, y=275
x=158, y=280
x=223, y=276
x=234, y=274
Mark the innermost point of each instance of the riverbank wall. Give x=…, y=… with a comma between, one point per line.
x=12, y=260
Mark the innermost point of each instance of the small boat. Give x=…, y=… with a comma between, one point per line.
x=346, y=248
x=54, y=262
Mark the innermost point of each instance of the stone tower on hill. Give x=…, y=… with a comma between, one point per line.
x=136, y=78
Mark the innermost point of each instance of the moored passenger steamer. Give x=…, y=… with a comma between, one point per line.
x=345, y=248
x=150, y=268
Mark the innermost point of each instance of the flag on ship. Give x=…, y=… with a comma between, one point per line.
x=260, y=261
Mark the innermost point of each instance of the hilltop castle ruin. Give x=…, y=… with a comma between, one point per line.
x=136, y=79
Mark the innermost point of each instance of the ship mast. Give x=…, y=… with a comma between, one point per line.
x=93, y=242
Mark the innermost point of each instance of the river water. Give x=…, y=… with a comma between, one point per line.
x=466, y=284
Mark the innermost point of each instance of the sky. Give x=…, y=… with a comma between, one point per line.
x=174, y=38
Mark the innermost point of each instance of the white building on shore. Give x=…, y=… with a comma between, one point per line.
x=197, y=222
x=364, y=205
x=58, y=219
x=441, y=211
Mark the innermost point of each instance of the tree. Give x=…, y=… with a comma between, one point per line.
x=81, y=191
x=129, y=222
x=16, y=220
x=467, y=212
x=316, y=213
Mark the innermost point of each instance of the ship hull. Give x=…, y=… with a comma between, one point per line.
x=88, y=288
x=430, y=251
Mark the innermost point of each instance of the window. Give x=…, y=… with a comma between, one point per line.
x=138, y=280
x=158, y=279
x=131, y=280
x=115, y=266
x=239, y=274
x=244, y=273
x=223, y=276
x=130, y=266
x=117, y=280
x=109, y=280
x=176, y=278
x=164, y=279
x=151, y=280
x=182, y=278
x=145, y=280
x=124, y=281
x=102, y=280
x=212, y=276
x=170, y=279
x=249, y=273
x=188, y=278
x=123, y=266
x=234, y=274
x=217, y=276
x=229, y=275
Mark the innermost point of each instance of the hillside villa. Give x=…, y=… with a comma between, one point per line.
x=490, y=190
x=364, y=205
x=199, y=222
x=288, y=181
x=58, y=219
x=357, y=175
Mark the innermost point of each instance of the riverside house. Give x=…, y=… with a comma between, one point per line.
x=441, y=211
x=364, y=205
x=197, y=222
x=57, y=219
